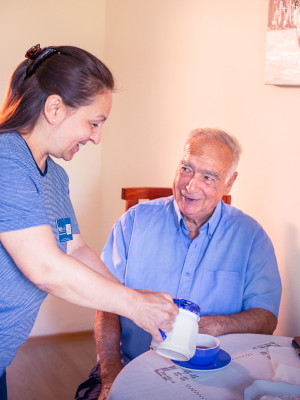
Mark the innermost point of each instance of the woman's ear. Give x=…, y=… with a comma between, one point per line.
x=54, y=108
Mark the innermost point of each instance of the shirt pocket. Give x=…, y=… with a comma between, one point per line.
x=221, y=292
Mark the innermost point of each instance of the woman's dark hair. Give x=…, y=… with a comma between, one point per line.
x=70, y=72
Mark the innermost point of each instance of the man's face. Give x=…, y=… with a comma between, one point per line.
x=200, y=180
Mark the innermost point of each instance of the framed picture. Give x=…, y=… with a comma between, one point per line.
x=283, y=43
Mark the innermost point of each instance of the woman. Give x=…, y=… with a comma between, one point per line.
x=58, y=100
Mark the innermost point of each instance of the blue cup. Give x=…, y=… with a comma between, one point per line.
x=207, y=349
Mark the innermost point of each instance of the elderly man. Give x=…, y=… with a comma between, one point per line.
x=195, y=247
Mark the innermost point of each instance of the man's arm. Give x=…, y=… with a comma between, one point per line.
x=254, y=320
x=107, y=336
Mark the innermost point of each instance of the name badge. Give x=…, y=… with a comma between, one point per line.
x=64, y=229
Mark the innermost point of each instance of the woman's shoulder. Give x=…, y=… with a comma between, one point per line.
x=12, y=141
x=14, y=149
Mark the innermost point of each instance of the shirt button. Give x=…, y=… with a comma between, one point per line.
x=187, y=274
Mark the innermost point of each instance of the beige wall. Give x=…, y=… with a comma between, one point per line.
x=179, y=65
x=194, y=63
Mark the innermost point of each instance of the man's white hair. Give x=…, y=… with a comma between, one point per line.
x=229, y=140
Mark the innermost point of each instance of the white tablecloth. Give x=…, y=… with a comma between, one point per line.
x=152, y=377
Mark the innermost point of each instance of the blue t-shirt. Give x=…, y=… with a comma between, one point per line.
x=228, y=268
x=28, y=198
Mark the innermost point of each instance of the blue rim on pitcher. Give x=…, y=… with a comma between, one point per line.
x=188, y=305
x=185, y=305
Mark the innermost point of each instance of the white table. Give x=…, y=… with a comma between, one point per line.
x=152, y=377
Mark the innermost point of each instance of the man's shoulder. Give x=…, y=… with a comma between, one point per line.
x=162, y=202
x=150, y=211
x=232, y=216
x=155, y=207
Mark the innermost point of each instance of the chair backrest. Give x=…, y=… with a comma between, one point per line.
x=132, y=195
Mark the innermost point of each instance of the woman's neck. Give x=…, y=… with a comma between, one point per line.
x=31, y=138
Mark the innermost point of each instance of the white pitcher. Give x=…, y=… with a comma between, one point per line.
x=180, y=343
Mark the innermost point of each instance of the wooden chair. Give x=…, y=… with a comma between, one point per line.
x=132, y=195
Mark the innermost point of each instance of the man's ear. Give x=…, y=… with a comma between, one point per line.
x=54, y=108
x=230, y=182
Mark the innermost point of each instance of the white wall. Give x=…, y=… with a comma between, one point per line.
x=179, y=65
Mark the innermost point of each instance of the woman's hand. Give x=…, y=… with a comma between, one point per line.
x=153, y=311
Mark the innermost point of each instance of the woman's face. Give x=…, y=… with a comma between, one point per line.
x=80, y=126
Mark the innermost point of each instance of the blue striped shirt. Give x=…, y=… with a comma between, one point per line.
x=27, y=198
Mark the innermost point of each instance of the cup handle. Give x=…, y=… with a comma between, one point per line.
x=163, y=335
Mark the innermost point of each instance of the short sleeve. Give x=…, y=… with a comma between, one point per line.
x=115, y=252
x=262, y=281
x=20, y=198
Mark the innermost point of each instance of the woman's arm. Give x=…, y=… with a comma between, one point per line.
x=36, y=254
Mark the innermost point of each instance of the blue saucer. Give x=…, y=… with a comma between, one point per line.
x=223, y=359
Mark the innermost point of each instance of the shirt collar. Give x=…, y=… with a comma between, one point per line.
x=46, y=166
x=210, y=225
